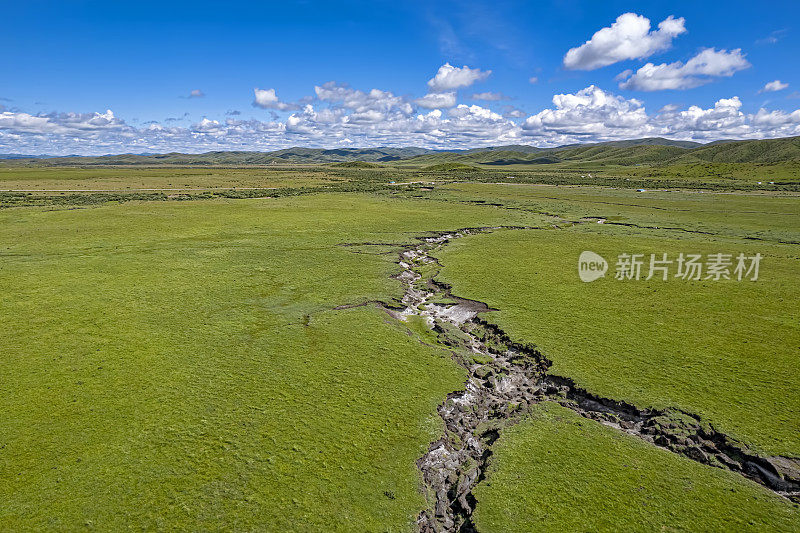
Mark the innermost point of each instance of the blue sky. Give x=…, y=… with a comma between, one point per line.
x=65, y=65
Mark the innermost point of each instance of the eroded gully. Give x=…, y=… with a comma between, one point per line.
x=506, y=377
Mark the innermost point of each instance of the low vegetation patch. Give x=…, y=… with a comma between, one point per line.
x=557, y=471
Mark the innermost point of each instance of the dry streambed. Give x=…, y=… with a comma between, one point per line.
x=506, y=377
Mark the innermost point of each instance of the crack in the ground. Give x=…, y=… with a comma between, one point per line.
x=506, y=377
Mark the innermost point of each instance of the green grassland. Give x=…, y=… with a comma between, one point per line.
x=181, y=366
x=197, y=364
x=597, y=479
x=750, y=216
x=726, y=351
x=710, y=348
x=719, y=173
x=41, y=179
x=648, y=163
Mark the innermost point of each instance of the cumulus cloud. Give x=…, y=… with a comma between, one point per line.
x=196, y=93
x=591, y=112
x=627, y=38
x=776, y=119
x=490, y=96
x=699, y=70
x=533, y=80
x=774, y=86
x=437, y=100
x=360, y=101
x=342, y=116
x=25, y=123
x=449, y=78
x=268, y=99
x=510, y=111
x=725, y=118
x=61, y=123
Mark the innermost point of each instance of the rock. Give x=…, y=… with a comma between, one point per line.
x=709, y=446
x=483, y=372
x=452, y=478
x=696, y=454
x=441, y=504
x=786, y=467
x=770, y=479
x=727, y=461
x=683, y=441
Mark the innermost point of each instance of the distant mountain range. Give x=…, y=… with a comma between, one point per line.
x=20, y=156
x=647, y=151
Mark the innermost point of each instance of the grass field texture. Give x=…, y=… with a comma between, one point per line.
x=726, y=350
x=597, y=479
x=180, y=365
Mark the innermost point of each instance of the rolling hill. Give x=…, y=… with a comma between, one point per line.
x=628, y=153
x=648, y=151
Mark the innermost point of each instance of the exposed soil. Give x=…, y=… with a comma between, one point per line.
x=506, y=377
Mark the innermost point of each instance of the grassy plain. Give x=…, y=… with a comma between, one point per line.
x=598, y=479
x=726, y=350
x=750, y=173
x=181, y=364
x=121, y=179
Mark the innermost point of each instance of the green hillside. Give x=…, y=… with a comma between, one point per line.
x=289, y=155
x=644, y=152
x=766, y=151
x=649, y=151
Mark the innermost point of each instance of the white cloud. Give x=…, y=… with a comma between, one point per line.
x=723, y=120
x=490, y=96
x=624, y=75
x=475, y=111
x=773, y=86
x=61, y=123
x=510, y=111
x=773, y=37
x=437, y=100
x=341, y=116
x=699, y=70
x=208, y=126
x=268, y=99
x=591, y=112
x=596, y=115
x=449, y=77
x=359, y=101
x=196, y=93
x=775, y=119
x=533, y=80
x=726, y=121
x=627, y=38
x=25, y=123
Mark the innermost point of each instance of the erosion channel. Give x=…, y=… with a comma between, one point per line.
x=506, y=377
